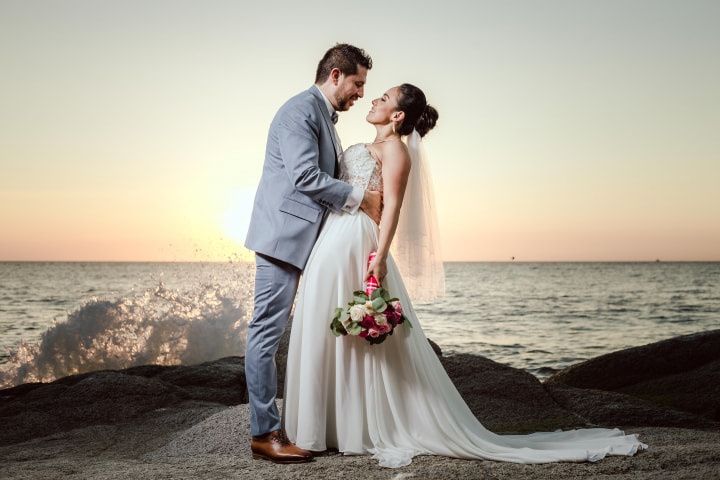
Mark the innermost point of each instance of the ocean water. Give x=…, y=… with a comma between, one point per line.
x=62, y=318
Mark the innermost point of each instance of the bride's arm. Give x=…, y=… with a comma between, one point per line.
x=395, y=171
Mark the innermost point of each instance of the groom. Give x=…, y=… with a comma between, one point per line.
x=298, y=184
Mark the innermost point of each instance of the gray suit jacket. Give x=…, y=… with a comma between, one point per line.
x=297, y=182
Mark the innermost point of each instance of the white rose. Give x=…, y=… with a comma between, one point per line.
x=357, y=312
x=381, y=319
x=369, y=307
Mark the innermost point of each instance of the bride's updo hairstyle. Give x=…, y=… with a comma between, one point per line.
x=418, y=114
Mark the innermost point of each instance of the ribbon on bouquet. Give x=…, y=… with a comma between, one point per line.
x=372, y=283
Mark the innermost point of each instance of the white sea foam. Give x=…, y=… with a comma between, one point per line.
x=159, y=326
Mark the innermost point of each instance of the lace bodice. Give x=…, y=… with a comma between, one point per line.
x=360, y=169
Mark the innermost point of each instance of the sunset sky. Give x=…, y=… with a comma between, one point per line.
x=569, y=129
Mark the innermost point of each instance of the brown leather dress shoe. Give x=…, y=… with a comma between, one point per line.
x=276, y=447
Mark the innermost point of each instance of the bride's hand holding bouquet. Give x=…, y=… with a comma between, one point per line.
x=373, y=313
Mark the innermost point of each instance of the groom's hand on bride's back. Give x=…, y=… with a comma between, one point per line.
x=372, y=205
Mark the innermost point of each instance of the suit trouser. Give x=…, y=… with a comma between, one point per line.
x=276, y=284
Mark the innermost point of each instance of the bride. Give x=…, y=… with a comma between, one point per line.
x=394, y=400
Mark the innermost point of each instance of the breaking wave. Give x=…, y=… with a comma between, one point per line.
x=159, y=326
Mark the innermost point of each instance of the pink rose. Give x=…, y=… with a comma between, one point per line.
x=368, y=321
x=374, y=332
x=384, y=328
x=392, y=316
x=397, y=307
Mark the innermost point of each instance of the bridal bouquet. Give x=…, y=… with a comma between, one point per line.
x=372, y=314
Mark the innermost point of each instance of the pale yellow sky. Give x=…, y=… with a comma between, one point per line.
x=569, y=130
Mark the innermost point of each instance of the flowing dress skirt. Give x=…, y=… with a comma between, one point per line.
x=393, y=400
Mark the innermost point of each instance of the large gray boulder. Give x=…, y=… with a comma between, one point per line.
x=682, y=373
x=612, y=409
x=506, y=399
x=110, y=396
x=104, y=397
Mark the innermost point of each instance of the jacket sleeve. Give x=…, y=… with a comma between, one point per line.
x=298, y=140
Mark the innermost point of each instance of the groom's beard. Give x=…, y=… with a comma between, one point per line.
x=344, y=103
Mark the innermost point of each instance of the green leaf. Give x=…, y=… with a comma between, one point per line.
x=377, y=293
x=337, y=328
x=379, y=305
x=360, y=297
x=354, y=328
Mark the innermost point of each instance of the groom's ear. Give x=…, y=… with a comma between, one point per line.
x=335, y=75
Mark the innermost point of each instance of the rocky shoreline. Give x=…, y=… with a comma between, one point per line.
x=192, y=421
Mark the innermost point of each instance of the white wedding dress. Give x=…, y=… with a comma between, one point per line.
x=393, y=400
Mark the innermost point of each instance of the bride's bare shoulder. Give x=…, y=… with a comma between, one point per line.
x=395, y=153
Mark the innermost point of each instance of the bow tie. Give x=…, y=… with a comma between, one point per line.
x=334, y=117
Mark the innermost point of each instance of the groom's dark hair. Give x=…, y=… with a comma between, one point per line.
x=343, y=56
